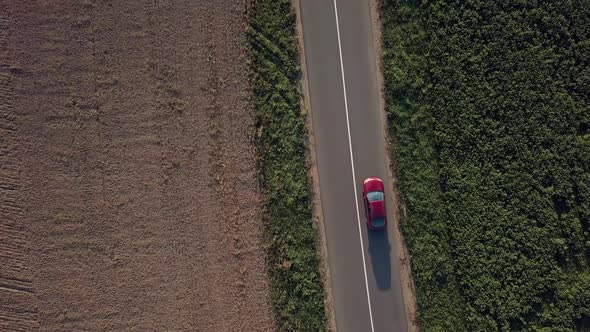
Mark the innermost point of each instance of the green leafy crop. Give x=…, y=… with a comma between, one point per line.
x=488, y=105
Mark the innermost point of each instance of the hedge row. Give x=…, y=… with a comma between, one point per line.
x=297, y=288
x=489, y=106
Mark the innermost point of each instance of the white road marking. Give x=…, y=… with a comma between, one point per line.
x=358, y=216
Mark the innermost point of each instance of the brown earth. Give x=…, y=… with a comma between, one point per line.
x=128, y=191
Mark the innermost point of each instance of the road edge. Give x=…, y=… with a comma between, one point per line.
x=408, y=287
x=318, y=215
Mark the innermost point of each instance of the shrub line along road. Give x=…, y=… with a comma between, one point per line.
x=350, y=146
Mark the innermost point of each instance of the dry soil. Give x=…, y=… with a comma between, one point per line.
x=128, y=191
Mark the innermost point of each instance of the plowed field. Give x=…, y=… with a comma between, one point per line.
x=128, y=191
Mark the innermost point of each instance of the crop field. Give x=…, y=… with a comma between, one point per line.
x=489, y=108
x=129, y=197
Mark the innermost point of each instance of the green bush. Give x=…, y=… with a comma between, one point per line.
x=297, y=288
x=488, y=103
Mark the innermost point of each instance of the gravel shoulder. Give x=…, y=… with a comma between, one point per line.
x=408, y=288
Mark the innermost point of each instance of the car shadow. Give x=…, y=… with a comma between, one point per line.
x=379, y=250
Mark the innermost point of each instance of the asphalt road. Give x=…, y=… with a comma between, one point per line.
x=350, y=146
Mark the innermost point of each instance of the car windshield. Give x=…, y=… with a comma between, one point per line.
x=375, y=196
x=378, y=222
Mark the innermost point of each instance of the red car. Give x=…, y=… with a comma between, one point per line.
x=374, y=198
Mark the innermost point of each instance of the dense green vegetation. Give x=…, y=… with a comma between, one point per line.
x=297, y=288
x=489, y=107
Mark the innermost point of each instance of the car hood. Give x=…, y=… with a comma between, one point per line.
x=373, y=185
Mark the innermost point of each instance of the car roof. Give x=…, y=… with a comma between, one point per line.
x=377, y=209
